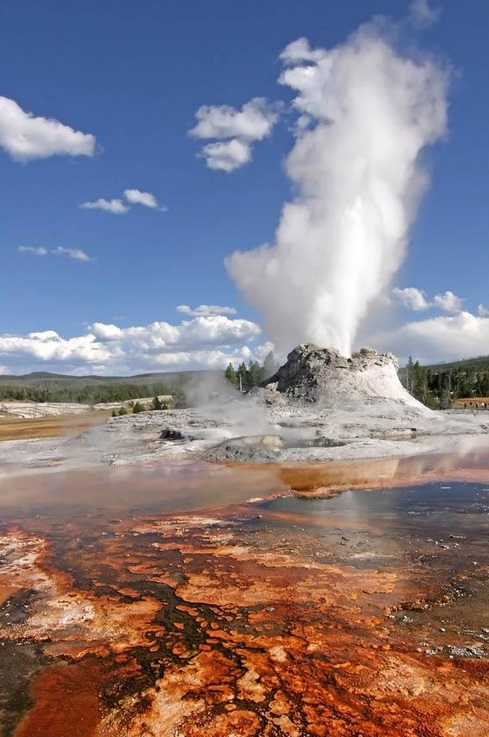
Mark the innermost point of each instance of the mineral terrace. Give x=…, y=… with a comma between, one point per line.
x=210, y=573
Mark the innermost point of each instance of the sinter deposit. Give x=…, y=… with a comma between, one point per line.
x=319, y=406
x=324, y=376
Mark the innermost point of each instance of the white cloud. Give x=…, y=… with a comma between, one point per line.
x=30, y=249
x=136, y=197
x=234, y=131
x=202, y=342
x=25, y=137
x=422, y=15
x=226, y=155
x=253, y=122
x=35, y=349
x=104, y=332
x=116, y=206
x=206, y=310
x=415, y=299
x=411, y=298
x=482, y=311
x=75, y=253
x=300, y=50
x=442, y=338
x=448, y=302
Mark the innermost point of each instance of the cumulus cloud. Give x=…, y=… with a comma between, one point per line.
x=412, y=298
x=105, y=333
x=299, y=50
x=415, y=299
x=202, y=342
x=482, y=311
x=442, y=338
x=422, y=15
x=75, y=253
x=206, y=310
x=226, y=155
x=116, y=206
x=136, y=197
x=448, y=302
x=234, y=132
x=47, y=347
x=253, y=122
x=25, y=136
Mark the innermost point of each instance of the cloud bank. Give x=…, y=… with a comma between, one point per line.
x=366, y=112
x=202, y=342
x=24, y=136
x=437, y=338
x=441, y=338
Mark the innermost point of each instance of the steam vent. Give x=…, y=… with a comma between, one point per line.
x=325, y=377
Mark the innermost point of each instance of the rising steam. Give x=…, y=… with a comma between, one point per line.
x=365, y=114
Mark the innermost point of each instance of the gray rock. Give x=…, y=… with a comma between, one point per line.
x=323, y=376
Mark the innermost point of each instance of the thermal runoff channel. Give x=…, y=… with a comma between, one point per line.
x=365, y=114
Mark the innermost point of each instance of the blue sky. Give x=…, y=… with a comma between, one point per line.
x=116, y=216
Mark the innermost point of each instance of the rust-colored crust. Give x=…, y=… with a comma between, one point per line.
x=239, y=621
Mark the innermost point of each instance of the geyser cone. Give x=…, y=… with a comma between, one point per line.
x=324, y=376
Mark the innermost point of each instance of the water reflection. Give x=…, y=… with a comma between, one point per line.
x=204, y=601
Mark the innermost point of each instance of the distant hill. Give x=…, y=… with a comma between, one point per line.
x=37, y=378
x=41, y=386
x=481, y=363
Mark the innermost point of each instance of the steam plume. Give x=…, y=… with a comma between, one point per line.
x=365, y=114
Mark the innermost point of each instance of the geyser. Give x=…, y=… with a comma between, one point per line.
x=323, y=376
x=365, y=114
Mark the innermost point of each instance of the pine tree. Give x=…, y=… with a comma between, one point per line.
x=242, y=377
x=156, y=403
x=230, y=374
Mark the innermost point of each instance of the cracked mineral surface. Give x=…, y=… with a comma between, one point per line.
x=195, y=600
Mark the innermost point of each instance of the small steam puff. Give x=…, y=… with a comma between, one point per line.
x=366, y=112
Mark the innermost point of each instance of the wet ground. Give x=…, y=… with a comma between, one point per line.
x=193, y=600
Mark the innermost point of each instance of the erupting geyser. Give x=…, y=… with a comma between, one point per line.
x=365, y=114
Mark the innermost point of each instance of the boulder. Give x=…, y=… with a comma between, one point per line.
x=168, y=434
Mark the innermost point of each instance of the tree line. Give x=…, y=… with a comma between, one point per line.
x=89, y=393
x=137, y=407
x=245, y=377
x=439, y=387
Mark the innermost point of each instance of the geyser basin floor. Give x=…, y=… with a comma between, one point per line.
x=365, y=614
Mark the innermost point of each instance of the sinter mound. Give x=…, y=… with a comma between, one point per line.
x=325, y=377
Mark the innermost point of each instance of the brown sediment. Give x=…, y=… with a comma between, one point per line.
x=47, y=427
x=6, y=592
x=326, y=479
x=66, y=701
x=245, y=620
